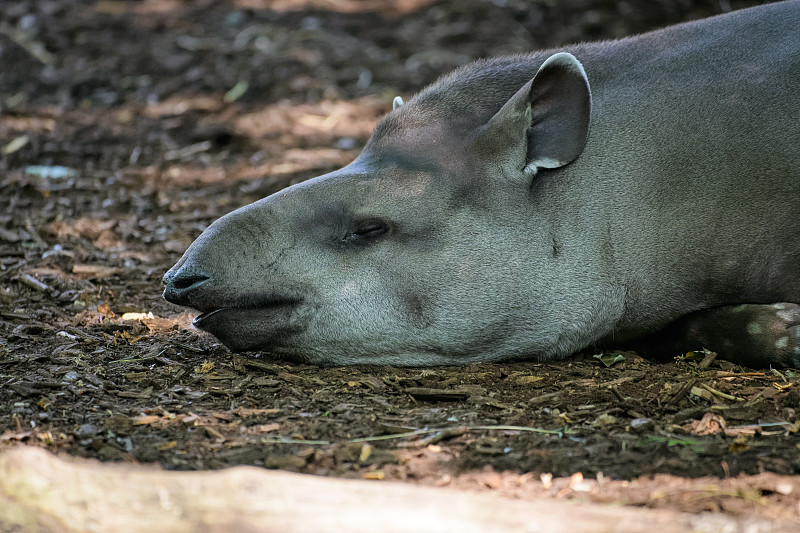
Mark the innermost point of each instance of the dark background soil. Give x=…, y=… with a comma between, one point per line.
x=162, y=116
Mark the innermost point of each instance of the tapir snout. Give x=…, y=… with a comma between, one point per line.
x=530, y=206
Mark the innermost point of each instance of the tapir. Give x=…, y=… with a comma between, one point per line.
x=531, y=206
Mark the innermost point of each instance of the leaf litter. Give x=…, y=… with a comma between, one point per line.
x=108, y=173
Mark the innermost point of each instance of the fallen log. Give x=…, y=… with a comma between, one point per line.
x=41, y=492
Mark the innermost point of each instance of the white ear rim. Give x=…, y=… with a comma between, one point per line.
x=579, y=82
x=397, y=103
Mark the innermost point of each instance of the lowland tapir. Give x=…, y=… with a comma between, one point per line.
x=533, y=205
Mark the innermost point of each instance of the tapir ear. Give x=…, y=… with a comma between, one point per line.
x=545, y=124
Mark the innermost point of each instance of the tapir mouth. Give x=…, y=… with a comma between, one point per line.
x=254, y=305
x=253, y=324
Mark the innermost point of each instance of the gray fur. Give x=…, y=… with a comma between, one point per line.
x=503, y=214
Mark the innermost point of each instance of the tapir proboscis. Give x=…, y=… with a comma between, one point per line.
x=534, y=205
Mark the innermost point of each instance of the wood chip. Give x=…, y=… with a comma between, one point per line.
x=145, y=420
x=94, y=271
x=437, y=395
x=33, y=283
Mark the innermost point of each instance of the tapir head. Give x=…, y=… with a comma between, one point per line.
x=418, y=252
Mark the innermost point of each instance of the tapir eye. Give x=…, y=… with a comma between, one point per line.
x=369, y=229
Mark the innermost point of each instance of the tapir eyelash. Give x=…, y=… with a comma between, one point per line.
x=371, y=229
x=367, y=230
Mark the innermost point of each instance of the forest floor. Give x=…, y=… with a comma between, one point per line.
x=127, y=127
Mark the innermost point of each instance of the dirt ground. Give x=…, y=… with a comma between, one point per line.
x=126, y=127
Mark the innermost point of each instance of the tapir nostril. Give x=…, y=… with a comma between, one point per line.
x=181, y=287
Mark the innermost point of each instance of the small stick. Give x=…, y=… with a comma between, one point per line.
x=721, y=394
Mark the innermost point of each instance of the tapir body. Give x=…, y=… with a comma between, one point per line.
x=533, y=205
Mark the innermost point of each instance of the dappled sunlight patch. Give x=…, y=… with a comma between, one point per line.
x=94, y=271
x=190, y=175
x=26, y=123
x=88, y=317
x=296, y=160
x=102, y=233
x=103, y=314
x=181, y=103
x=320, y=122
x=146, y=7
x=387, y=7
x=160, y=324
x=87, y=227
x=291, y=161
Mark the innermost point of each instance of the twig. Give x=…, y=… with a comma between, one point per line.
x=721, y=394
x=12, y=268
x=444, y=432
x=396, y=435
x=34, y=48
x=707, y=360
x=139, y=359
x=679, y=391
x=727, y=374
x=616, y=393
x=33, y=283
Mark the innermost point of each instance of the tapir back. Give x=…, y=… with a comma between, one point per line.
x=694, y=151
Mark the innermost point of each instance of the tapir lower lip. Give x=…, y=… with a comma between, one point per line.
x=198, y=320
x=271, y=303
x=252, y=327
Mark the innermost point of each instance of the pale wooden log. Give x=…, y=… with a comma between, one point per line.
x=42, y=492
